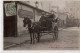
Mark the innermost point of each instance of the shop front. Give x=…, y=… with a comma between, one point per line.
x=14, y=13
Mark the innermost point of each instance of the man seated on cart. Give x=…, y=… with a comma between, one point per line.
x=42, y=20
x=50, y=19
x=46, y=20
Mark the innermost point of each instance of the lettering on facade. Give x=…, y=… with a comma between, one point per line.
x=22, y=13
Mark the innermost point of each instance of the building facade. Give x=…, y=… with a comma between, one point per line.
x=13, y=20
x=62, y=19
x=44, y=5
x=73, y=8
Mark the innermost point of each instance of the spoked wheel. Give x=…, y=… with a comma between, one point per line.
x=55, y=32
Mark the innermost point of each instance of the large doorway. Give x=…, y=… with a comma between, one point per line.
x=9, y=26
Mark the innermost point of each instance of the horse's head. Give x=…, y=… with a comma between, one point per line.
x=25, y=22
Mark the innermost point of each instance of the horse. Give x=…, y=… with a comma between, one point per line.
x=36, y=27
x=32, y=28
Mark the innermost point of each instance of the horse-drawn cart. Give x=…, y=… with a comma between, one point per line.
x=46, y=25
x=53, y=31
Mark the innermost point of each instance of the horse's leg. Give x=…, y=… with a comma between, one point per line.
x=31, y=38
x=38, y=36
x=56, y=33
x=30, y=32
x=56, y=36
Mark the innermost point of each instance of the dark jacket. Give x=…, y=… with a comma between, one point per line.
x=43, y=21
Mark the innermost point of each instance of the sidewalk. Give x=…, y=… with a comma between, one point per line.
x=12, y=41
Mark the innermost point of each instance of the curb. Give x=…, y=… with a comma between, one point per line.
x=9, y=46
x=12, y=45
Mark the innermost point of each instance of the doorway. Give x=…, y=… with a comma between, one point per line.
x=10, y=26
x=10, y=22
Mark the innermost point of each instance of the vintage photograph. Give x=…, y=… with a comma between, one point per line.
x=41, y=25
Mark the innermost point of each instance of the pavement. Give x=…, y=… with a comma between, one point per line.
x=12, y=41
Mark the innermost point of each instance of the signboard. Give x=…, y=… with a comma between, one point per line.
x=10, y=9
x=24, y=13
